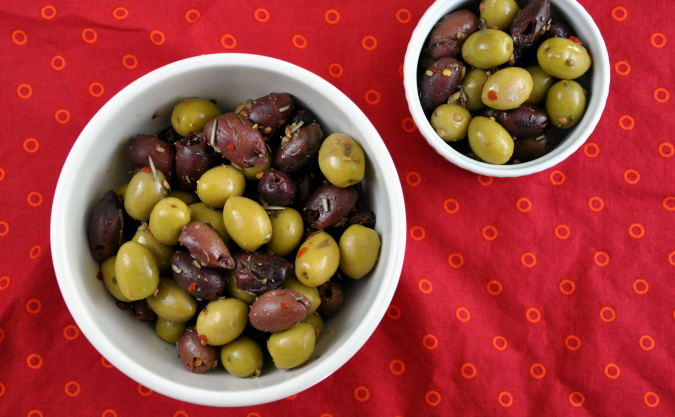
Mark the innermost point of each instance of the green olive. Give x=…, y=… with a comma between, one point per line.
x=109, y=280
x=317, y=260
x=359, y=250
x=222, y=321
x=167, y=219
x=237, y=293
x=122, y=189
x=317, y=322
x=220, y=183
x=311, y=293
x=240, y=107
x=136, y=271
x=242, y=357
x=490, y=141
x=143, y=192
x=168, y=331
x=162, y=252
x=451, y=122
x=507, y=88
x=171, y=302
x=213, y=217
x=191, y=114
x=499, y=13
x=341, y=160
x=247, y=223
x=473, y=84
x=487, y=48
x=292, y=347
x=251, y=174
x=565, y=103
x=541, y=83
x=184, y=196
x=563, y=58
x=287, y=230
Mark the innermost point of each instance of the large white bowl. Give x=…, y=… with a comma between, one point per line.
x=97, y=163
x=595, y=81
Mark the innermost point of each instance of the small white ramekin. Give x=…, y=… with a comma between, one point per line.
x=97, y=163
x=596, y=82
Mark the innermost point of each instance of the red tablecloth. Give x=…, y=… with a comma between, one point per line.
x=545, y=295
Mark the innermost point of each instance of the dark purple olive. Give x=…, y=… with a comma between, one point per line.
x=270, y=111
x=276, y=188
x=298, y=150
x=331, y=297
x=523, y=54
x=140, y=308
x=105, y=227
x=205, y=245
x=526, y=120
x=237, y=140
x=258, y=336
x=450, y=32
x=558, y=29
x=278, y=310
x=195, y=356
x=169, y=135
x=258, y=273
x=530, y=148
x=439, y=83
x=329, y=205
x=531, y=23
x=302, y=115
x=305, y=185
x=201, y=282
x=360, y=216
x=193, y=158
x=149, y=146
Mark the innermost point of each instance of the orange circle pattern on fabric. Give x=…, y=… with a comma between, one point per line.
x=651, y=399
x=228, y=41
x=34, y=198
x=19, y=37
x=528, y=259
x=462, y=314
x=261, y=15
x=567, y=287
x=96, y=89
x=24, y=91
x=2, y=335
x=2, y=389
x=577, y=399
x=180, y=413
x=335, y=70
x=143, y=390
x=109, y=413
x=636, y=230
x=619, y=13
x=34, y=252
x=396, y=367
x=400, y=70
x=34, y=413
x=71, y=332
x=596, y=204
x=369, y=43
x=626, y=118
x=505, y=399
x=2, y=174
x=489, y=232
x=157, y=37
x=393, y=312
x=607, y=314
x=499, y=343
x=433, y=398
x=417, y=233
x=129, y=61
x=468, y=370
x=455, y=206
x=572, y=342
x=494, y=287
x=671, y=258
x=658, y=40
x=612, y=371
x=484, y=181
x=299, y=41
x=562, y=232
x=58, y=62
x=31, y=145
x=601, y=259
x=403, y=15
x=362, y=393
x=557, y=177
x=291, y=398
x=524, y=205
x=253, y=414
x=640, y=286
x=33, y=364
x=591, y=150
x=4, y=229
x=72, y=388
x=33, y=306
x=456, y=260
x=89, y=35
x=622, y=68
x=62, y=116
x=4, y=282
x=666, y=150
x=120, y=13
x=538, y=371
x=533, y=315
x=413, y=178
x=430, y=341
x=105, y=363
x=192, y=15
x=659, y=92
x=646, y=342
x=408, y=125
x=332, y=16
x=425, y=286
x=48, y=12
x=372, y=97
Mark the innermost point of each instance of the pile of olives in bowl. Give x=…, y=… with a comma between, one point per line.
x=237, y=232
x=496, y=82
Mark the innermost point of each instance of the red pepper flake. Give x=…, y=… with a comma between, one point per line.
x=204, y=338
x=310, y=236
x=206, y=312
x=150, y=231
x=284, y=305
x=576, y=40
x=99, y=276
x=192, y=287
x=492, y=95
x=302, y=252
x=229, y=147
x=146, y=170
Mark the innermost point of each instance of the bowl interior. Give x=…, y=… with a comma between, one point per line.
x=595, y=81
x=98, y=163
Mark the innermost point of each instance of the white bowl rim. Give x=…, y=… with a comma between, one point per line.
x=583, y=130
x=320, y=370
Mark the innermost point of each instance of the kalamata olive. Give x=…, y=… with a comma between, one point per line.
x=305, y=185
x=302, y=115
x=193, y=158
x=206, y=246
x=270, y=111
x=526, y=120
x=331, y=297
x=196, y=357
x=362, y=216
x=169, y=135
x=523, y=54
x=276, y=188
x=258, y=273
x=105, y=227
x=450, y=33
x=237, y=140
x=298, y=150
x=439, y=83
x=531, y=23
x=329, y=205
x=558, y=29
x=278, y=310
x=201, y=282
x=140, y=308
x=149, y=146
x=530, y=148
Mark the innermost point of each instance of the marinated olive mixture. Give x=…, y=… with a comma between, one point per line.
x=235, y=232
x=489, y=98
